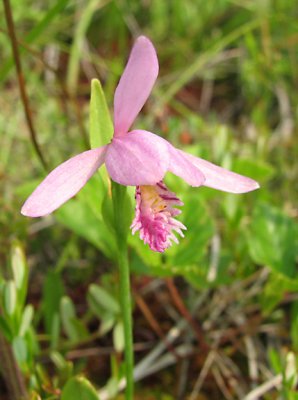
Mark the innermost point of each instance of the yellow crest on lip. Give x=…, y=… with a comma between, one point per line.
x=152, y=198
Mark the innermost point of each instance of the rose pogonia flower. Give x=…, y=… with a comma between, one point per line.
x=137, y=158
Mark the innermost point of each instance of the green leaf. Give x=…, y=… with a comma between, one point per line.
x=200, y=229
x=86, y=12
x=5, y=329
x=143, y=260
x=122, y=210
x=79, y=388
x=108, y=212
x=93, y=194
x=10, y=297
x=292, y=394
x=53, y=290
x=272, y=293
x=87, y=225
x=20, y=349
x=26, y=319
x=118, y=337
x=73, y=327
x=101, y=126
x=112, y=386
x=19, y=269
x=275, y=360
x=55, y=330
x=64, y=367
x=101, y=298
x=107, y=322
x=68, y=316
x=276, y=286
x=272, y=239
x=18, y=265
x=255, y=168
x=232, y=206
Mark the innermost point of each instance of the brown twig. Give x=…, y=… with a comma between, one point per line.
x=186, y=314
x=64, y=91
x=99, y=351
x=153, y=323
x=21, y=80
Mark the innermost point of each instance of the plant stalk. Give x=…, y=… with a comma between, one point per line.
x=119, y=193
x=11, y=373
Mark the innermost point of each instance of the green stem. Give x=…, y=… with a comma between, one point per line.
x=119, y=193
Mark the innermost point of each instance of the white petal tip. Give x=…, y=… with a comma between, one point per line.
x=253, y=186
x=33, y=211
x=247, y=187
x=25, y=212
x=29, y=213
x=143, y=38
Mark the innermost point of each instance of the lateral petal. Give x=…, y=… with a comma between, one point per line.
x=63, y=183
x=220, y=178
x=135, y=84
x=138, y=158
x=181, y=166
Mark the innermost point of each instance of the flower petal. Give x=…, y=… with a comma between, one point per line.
x=138, y=158
x=63, y=183
x=181, y=166
x=220, y=178
x=135, y=84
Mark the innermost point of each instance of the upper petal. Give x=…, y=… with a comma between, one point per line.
x=135, y=84
x=138, y=158
x=220, y=178
x=63, y=183
x=183, y=167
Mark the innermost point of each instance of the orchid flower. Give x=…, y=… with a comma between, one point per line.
x=137, y=158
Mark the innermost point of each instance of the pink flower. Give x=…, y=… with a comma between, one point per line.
x=136, y=158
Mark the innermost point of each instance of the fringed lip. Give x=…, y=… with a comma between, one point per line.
x=155, y=216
